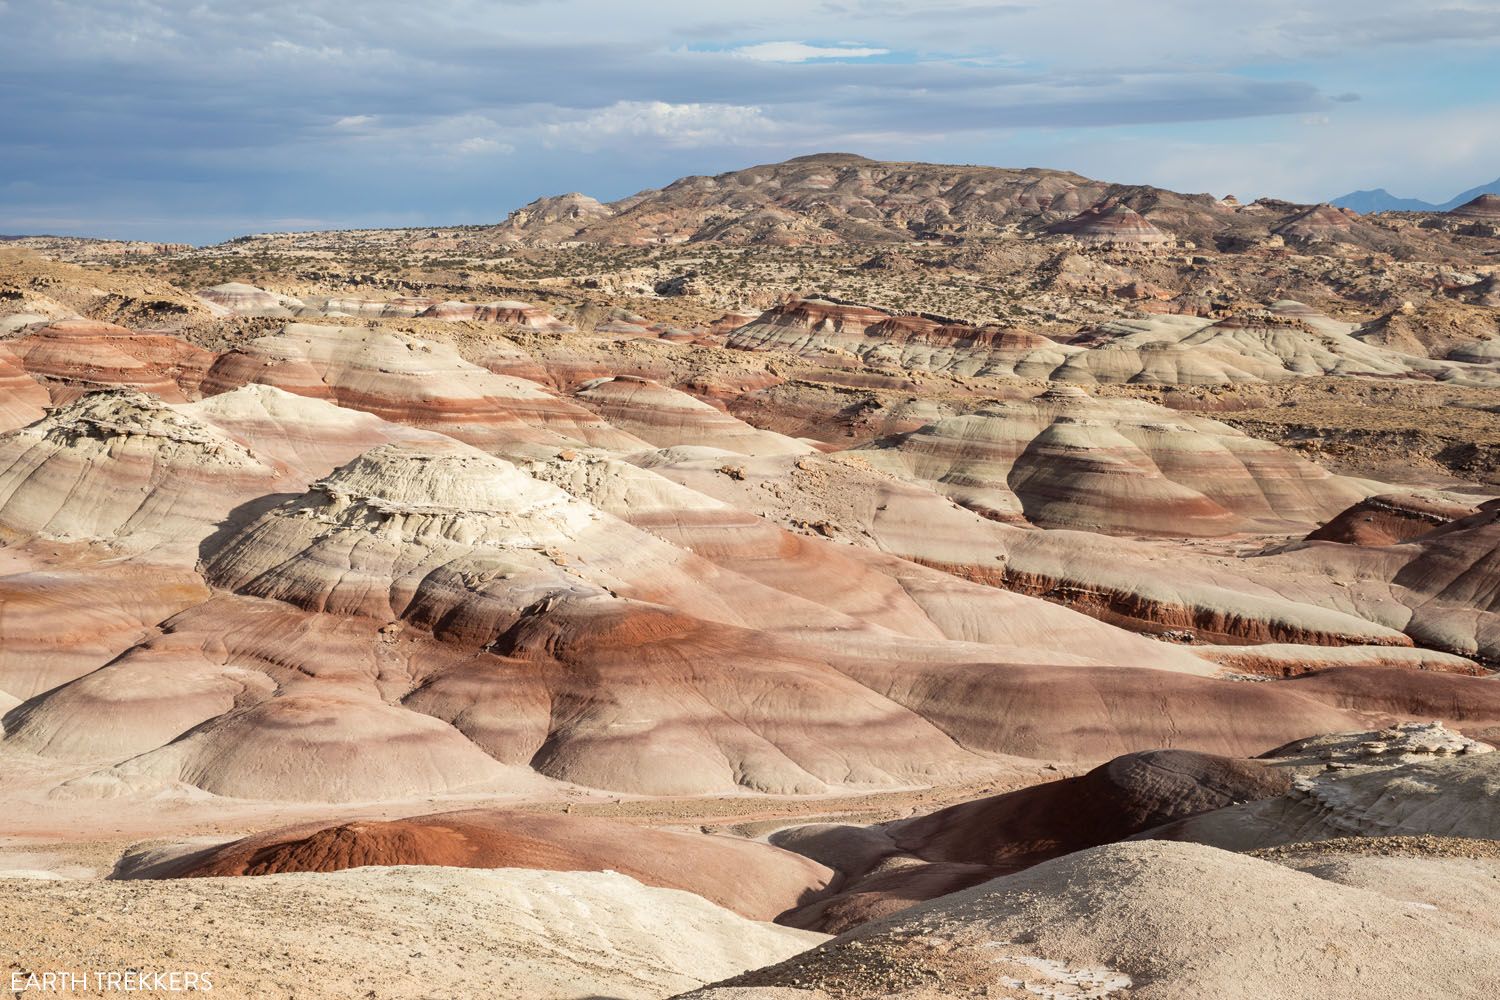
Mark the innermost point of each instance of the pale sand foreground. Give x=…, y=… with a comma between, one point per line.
x=388, y=932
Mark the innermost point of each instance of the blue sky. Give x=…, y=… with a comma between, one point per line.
x=199, y=120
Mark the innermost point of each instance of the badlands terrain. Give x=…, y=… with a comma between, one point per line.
x=832, y=579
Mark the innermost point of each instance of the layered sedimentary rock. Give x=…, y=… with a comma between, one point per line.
x=247, y=300
x=1109, y=222
x=509, y=312
x=666, y=417
x=1270, y=347
x=1134, y=584
x=1486, y=207
x=369, y=538
x=1323, y=223
x=311, y=437
x=899, y=864
x=60, y=624
x=1391, y=518
x=860, y=582
x=825, y=330
x=1065, y=460
x=398, y=307
x=125, y=470
x=258, y=700
x=92, y=354
x=1412, y=780
x=1284, y=342
x=22, y=398
x=412, y=381
x=752, y=879
x=1440, y=587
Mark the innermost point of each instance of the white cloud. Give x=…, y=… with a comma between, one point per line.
x=480, y=144
x=679, y=125
x=354, y=121
x=796, y=52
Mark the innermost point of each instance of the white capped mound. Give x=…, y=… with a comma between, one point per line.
x=1159, y=921
x=399, y=932
x=1448, y=787
x=417, y=528
x=238, y=298
x=123, y=468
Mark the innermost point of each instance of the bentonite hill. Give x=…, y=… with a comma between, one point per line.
x=829, y=579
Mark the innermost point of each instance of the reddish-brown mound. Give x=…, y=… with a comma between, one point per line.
x=825, y=315
x=1109, y=222
x=1486, y=206
x=750, y=878
x=972, y=842
x=1389, y=519
x=102, y=354
x=1320, y=222
x=1125, y=796
x=22, y=398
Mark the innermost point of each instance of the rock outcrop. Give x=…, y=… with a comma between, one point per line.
x=1110, y=223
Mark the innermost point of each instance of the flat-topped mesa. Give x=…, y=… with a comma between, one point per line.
x=507, y=311
x=520, y=314
x=825, y=315
x=123, y=468
x=400, y=307
x=1485, y=208
x=1061, y=393
x=938, y=330
x=1110, y=222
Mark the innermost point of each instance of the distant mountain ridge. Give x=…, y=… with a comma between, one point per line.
x=1381, y=200
x=841, y=198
